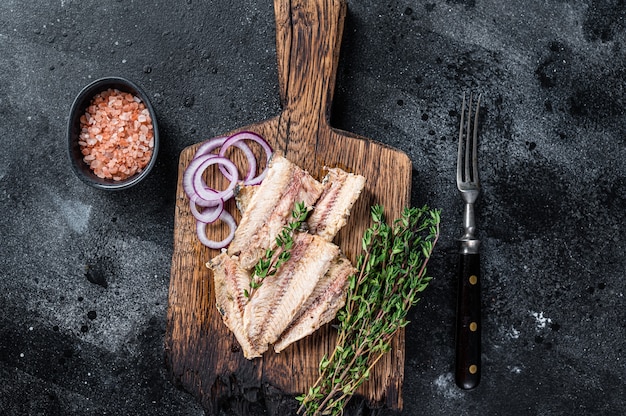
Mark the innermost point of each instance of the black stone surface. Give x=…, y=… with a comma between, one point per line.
x=84, y=273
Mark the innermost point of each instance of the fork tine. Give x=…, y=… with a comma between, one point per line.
x=468, y=143
x=475, y=143
x=467, y=156
x=459, y=159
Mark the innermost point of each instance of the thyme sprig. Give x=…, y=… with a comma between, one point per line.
x=269, y=264
x=391, y=273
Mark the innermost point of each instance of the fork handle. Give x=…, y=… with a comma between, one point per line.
x=468, y=322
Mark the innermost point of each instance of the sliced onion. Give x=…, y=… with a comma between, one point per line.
x=201, y=231
x=207, y=214
x=207, y=204
x=200, y=187
x=235, y=139
x=216, y=143
x=189, y=186
x=209, y=146
x=203, y=202
x=249, y=155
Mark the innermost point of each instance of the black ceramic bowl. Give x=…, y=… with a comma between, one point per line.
x=82, y=101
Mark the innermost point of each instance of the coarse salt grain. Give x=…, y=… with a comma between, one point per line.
x=117, y=135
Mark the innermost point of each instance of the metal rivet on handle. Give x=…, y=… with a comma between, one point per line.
x=473, y=279
x=473, y=369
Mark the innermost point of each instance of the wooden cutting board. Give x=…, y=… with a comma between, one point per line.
x=202, y=355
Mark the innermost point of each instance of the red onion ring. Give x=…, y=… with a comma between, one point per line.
x=203, y=202
x=207, y=204
x=209, y=146
x=189, y=187
x=235, y=140
x=208, y=214
x=202, y=236
x=201, y=188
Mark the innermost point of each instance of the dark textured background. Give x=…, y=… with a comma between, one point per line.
x=84, y=274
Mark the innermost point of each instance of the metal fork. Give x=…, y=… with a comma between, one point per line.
x=468, y=322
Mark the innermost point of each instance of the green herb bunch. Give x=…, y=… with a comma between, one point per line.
x=269, y=264
x=391, y=274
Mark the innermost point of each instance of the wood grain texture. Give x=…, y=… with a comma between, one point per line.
x=201, y=354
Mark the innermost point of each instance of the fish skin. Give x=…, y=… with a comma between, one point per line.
x=332, y=209
x=274, y=305
x=243, y=194
x=269, y=209
x=322, y=305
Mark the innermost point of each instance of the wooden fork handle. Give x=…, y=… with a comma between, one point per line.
x=468, y=322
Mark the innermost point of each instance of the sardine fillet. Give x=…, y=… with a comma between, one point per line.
x=322, y=305
x=274, y=305
x=331, y=212
x=230, y=280
x=270, y=207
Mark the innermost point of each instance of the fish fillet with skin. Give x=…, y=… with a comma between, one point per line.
x=322, y=305
x=274, y=305
x=230, y=281
x=269, y=209
x=332, y=209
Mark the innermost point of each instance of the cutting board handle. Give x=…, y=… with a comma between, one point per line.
x=308, y=40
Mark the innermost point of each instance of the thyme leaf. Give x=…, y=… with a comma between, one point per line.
x=391, y=273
